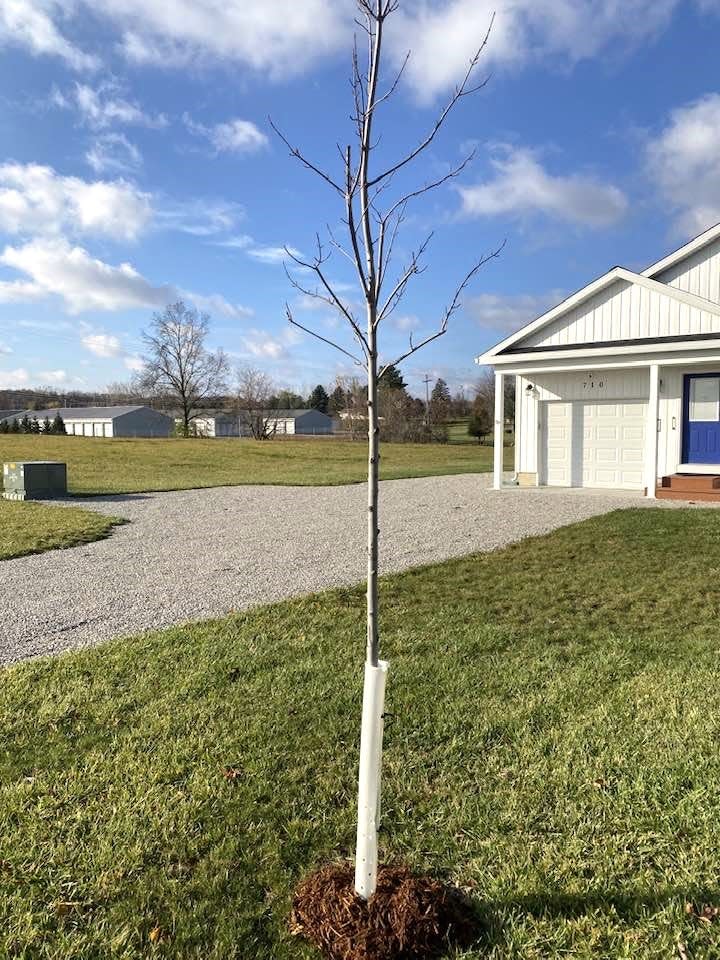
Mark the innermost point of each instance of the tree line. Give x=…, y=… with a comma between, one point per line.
x=27, y=424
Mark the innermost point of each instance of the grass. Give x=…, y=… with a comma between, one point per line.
x=555, y=713
x=130, y=466
x=27, y=527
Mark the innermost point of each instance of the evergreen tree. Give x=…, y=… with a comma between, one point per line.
x=47, y=426
x=480, y=424
x=34, y=425
x=58, y=425
x=15, y=426
x=439, y=402
x=25, y=426
x=318, y=399
x=337, y=401
x=4, y=427
x=393, y=379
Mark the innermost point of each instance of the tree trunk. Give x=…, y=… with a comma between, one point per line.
x=186, y=419
x=373, y=518
x=371, y=736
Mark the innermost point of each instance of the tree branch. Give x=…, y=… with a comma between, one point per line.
x=412, y=270
x=449, y=311
x=317, y=336
x=315, y=267
x=463, y=90
x=295, y=152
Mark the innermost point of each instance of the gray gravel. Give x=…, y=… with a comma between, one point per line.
x=195, y=554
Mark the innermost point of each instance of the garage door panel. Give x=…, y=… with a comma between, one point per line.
x=611, y=455
x=632, y=456
x=599, y=444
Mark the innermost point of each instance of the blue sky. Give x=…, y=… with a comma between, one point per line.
x=137, y=166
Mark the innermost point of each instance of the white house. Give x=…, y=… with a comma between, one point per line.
x=132, y=421
x=619, y=385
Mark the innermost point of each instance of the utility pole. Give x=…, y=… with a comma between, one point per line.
x=427, y=382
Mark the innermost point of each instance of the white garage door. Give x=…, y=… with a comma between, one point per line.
x=599, y=444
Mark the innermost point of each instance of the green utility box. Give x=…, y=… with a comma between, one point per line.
x=34, y=480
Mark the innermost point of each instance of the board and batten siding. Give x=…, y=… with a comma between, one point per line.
x=595, y=387
x=625, y=311
x=699, y=273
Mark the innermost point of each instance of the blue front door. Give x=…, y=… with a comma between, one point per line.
x=701, y=418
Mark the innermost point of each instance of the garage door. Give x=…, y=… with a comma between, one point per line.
x=599, y=444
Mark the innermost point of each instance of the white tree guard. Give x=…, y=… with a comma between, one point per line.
x=371, y=743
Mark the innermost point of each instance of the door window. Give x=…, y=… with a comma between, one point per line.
x=705, y=399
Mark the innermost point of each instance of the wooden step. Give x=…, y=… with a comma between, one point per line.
x=704, y=496
x=691, y=483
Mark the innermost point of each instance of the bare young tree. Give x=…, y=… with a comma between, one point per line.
x=373, y=213
x=254, y=392
x=177, y=363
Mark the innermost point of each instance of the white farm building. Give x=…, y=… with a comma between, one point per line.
x=278, y=423
x=619, y=385
x=134, y=421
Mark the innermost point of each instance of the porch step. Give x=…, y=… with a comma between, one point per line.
x=681, y=486
x=690, y=483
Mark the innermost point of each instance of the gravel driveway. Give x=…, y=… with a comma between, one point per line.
x=195, y=554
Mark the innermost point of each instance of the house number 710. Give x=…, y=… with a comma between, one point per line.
x=591, y=383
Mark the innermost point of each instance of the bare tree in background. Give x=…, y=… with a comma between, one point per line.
x=254, y=392
x=178, y=364
x=123, y=392
x=374, y=210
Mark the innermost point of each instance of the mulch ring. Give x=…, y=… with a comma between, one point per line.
x=409, y=917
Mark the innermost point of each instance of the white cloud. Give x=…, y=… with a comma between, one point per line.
x=273, y=255
x=12, y=379
x=54, y=267
x=53, y=377
x=234, y=136
x=113, y=153
x=684, y=164
x=264, y=346
x=279, y=38
x=102, y=344
x=35, y=199
x=19, y=291
x=240, y=242
x=522, y=187
x=201, y=217
x=506, y=313
x=216, y=303
x=103, y=107
x=29, y=24
x=4, y=348
x=444, y=34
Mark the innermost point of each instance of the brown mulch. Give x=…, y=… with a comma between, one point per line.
x=409, y=917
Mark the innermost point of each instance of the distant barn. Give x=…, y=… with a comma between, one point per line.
x=137, y=421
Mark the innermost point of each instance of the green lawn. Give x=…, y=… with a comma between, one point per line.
x=553, y=747
x=130, y=466
x=27, y=527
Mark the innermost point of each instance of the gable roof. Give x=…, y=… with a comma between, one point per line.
x=79, y=413
x=644, y=279
x=277, y=414
x=692, y=246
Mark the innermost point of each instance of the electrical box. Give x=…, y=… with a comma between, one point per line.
x=34, y=480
